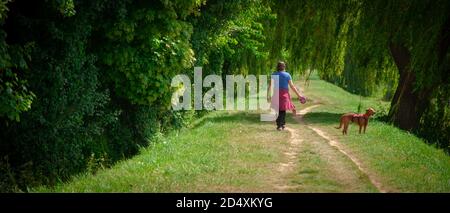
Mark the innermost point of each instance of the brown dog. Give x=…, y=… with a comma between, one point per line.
x=361, y=119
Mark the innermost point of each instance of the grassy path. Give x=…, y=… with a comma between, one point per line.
x=235, y=152
x=320, y=167
x=335, y=144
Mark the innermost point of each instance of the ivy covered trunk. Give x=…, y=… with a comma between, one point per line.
x=408, y=103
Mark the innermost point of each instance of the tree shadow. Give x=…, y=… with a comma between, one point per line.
x=241, y=117
x=322, y=118
x=326, y=118
x=333, y=118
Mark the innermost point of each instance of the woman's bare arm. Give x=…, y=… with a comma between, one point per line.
x=294, y=89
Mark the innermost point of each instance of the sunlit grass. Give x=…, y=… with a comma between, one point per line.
x=235, y=152
x=223, y=152
x=403, y=161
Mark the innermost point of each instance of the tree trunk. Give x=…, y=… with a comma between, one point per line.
x=408, y=103
x=443, y=46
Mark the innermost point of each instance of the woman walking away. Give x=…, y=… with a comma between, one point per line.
x=283, y=81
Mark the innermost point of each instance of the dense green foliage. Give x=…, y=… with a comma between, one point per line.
x=230, y=36
x=14, y=94
x=90, y=80
x=85, y=83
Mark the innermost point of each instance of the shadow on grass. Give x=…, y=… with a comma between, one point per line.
x=332, y=118
x=241, y=117
x=253, y=117
x=322, y=118
x=325, y=118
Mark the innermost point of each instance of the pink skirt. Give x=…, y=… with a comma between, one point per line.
x=284, y=101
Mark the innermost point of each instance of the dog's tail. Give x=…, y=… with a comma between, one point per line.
x=340, y=125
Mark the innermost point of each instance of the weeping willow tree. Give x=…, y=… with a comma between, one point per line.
x=375, y=40
x=416, y=35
